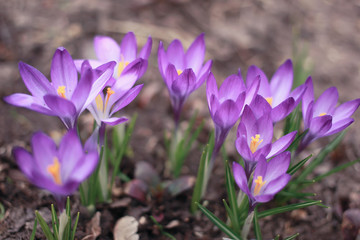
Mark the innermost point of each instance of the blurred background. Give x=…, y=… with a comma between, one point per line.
x=322, y=38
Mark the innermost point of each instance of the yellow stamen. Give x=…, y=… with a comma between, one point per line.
x=269, y=100
x=322, y=114
x=122, y=65
x=61, y=91
x=179, y=71
x=259, y=184
x=255, y=142
x=109, y=92
x=54, y=170
x=99, y=103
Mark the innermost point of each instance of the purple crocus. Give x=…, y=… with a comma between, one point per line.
x=107, y=49
x=119, y=95
x=254, y=138
x=227, y=103
x=59, y=170
x=183, y=72
x=322, y=117
x=65, y=96
x=278, y=92
x=268, y=179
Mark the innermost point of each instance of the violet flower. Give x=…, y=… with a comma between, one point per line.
x=268, y=179
x=227, y=103
x=278, y=92
x=183, y=72
x=65, y=96
x=119, y=95
x=107, y=49
x=322, y=117
x=254, y=138
x=59, y=170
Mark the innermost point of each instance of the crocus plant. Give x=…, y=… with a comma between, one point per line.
x=59, y=170
x=254, y=139
x=268, y=179
x=183, y=72
x=322, y=117
x=65, y=96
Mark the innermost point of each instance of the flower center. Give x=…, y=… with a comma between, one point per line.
x=122, y=65
x=179, y=71
x=255, y=142
x=61, y=91
x=259, y=184
x=109, y=92
x=54, y=170
x=269, y=100
x=322, y=114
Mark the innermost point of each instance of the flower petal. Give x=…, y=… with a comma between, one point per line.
x=231, y=88
x=320, y=125
x=162, y=60
x=29, y=102
x=63, y=71
x=227, y=114
x=281, y=144
x=243, y=148
x=252, y=75
x=276, y=185
x=114, y=121
x=194, y=56
x=126, y=99
x=277, y=166
x=240, y=178
x=146, y=50
x=25, y=161
x=175, y=55
x=345, y=110
x=281, y=82
x=128, y=47
x=260, y=106
x=84, y=167
x=63, y=108
x=211, y=88
x=44, y=151
x=106, y=49
x=283, y=109
x=184, y=84
x=201, y=77
x=308, y=97
x=339, y=126
x=326, y=103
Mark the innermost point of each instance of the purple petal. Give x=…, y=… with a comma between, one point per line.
x=203, y=74
x=281, y=82
x=345, y=110
x=106, y=49
x=93, y=63
x=194, y=56
x=240, y=178
x=281, y=144
x=211, y=89
x=82, y=90
x=146, y=50
x=92, y=142
x=297, y=93
x=243, y=148
x=276, y=185
x=24, y=160
x=339, y=126
x=260, y=169
x=63, y=71
x=162, y=60
x=70, y=151
x=84, y=167
x=114, y=120
x=277, y=166
x=44, y=151
x=35, y=81
x=175, y=55
x=308, y=116
x=170, y=76
x=260, y=106
x=283, y=109
x=252, y=75
x=29, y=102
x=231, y=88
x=264, y=198
x=248, y=117
x=320, y=125
x=263, y=127
x=128, y=47
x=227, y=114
x=63, y=108
x=308, y=97
x=252, y=90
x=126, y=99
x=326, y=103
x=184, y=84
x=213, y=105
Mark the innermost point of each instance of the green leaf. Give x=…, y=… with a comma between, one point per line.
x=256, y=226
x=232, y=197
x=321, y=156
x=75, y=226
x=288, y=208
x=221, y=225
x=293, y=169
x=55, y=223
x=336, y=169
x=298, y=195
x=293, y=146
x=277, y=237
x=292, y=236
x=228, y=210
x=44, y=226
x=33, y=233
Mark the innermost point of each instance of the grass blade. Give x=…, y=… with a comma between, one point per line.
x=220, y=224
x=293, y=169
x=232, y=197
x=75, y=226
x=292, y=236
x=256, y=226
x=336, y=169
x=44, y=226
x=33, y=233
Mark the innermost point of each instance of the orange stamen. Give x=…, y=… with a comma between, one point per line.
x=259, y=184
x=54, y=170
x=109, y=92
x=255, y=142
x=61, y=91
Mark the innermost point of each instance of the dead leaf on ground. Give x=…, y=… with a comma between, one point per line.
x=93, y=227
x=126, y=229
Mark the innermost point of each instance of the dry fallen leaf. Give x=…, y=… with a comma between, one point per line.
x=93, y=227
x=126, y=228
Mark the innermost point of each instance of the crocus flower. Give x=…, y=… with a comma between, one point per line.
x=268, y=179
x=107, y=49
x=254, y=138
x=322, y=117
x=278, y=92
x=59, y=170
x=65, y=96
x=183, y=72
x=119, y=95
x=226, y=104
